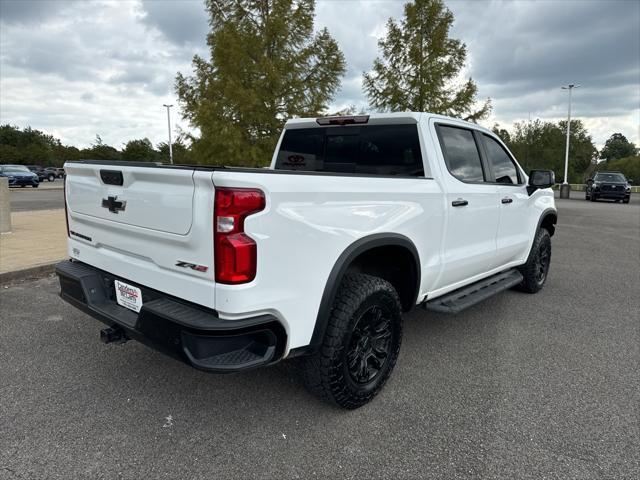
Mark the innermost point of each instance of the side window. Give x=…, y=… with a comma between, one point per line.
x=461, y=153
x=504, y=170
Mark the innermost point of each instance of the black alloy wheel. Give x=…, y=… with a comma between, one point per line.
x=360, y=345
x=542, y=261
x=536, y=270
x=370, y=345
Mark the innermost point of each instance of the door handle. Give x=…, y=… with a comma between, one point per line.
x=507, y=200
x=459, y=203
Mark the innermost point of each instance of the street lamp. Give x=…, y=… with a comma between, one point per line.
x=564, y=188
x=169, y=127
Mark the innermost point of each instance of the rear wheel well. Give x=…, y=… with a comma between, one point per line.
x=393, y=263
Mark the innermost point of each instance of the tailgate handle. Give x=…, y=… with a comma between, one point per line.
x=111, y=177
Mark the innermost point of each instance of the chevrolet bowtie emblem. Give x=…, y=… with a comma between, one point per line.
x=113, y=205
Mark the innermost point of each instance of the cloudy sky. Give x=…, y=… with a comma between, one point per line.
x=80, y=68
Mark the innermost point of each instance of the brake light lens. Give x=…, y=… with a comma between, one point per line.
x=235, y=252
x=343, y=120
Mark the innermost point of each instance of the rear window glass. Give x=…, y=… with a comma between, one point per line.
x=369, y=149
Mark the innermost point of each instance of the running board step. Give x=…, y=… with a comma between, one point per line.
x=468, y=296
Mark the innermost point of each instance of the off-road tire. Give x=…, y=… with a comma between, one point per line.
x=327, y=373
x=536, y=270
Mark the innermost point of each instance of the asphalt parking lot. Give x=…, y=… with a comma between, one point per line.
x=521, y=386
x=48, y=196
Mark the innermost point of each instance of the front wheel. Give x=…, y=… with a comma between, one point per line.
x=51, y=178
x=536, y=269
x=626, y=200
x=592, y=197
x=361, y=343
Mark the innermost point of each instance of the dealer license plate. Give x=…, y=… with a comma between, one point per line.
x=128, y=296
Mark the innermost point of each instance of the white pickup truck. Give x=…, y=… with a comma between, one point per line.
x=358, y=219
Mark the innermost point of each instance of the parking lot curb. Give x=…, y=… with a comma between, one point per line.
x=30, y=273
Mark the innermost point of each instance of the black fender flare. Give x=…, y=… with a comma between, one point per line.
x=340, y=268
x=549, y=212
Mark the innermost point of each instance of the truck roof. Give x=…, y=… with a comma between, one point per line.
x=382, y=119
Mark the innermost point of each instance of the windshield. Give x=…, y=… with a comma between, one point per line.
x=14, y=168
x=610, y=177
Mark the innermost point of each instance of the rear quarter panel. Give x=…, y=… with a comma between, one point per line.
x=309, y=220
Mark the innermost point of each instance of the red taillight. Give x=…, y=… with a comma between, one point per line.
x=235, y=252
x=64, y=194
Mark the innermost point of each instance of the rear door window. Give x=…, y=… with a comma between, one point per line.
x=461, y=153
x=369, y=149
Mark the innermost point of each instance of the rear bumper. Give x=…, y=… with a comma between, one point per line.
x=188, y=332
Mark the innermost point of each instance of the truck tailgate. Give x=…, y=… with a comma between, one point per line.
x=152, y=225
x=158, y=199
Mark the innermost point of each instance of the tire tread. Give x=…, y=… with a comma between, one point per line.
x=320, y=371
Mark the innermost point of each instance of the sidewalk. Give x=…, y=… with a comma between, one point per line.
x=38, y=238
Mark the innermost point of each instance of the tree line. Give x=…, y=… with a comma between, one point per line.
x=267, y=64
x=34, y=147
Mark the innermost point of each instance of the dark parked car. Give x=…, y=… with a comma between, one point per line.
x=19, y=176
x=57, y=171
x=43, y=173
x=611, y=185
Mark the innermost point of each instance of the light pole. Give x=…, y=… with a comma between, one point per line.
x=565, y=188
x=169, y=127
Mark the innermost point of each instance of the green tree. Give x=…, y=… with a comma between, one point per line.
x=617, y=146
x=266, y=65
x=30, y=146
x=503, y=133
x=541, y=144
x=139, y=150
x=629, y=166
x=100, y=151
x=181, y=153
x=420, y=66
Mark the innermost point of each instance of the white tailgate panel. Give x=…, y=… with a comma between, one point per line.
x=140, y=253
x=157, y=198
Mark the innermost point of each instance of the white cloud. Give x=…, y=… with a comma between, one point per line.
x=77, y=69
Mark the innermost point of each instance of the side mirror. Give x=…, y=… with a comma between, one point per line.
x=540, y=179
x=630, y=181
x=590, y=180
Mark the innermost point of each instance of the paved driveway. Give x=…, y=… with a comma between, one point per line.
x=521, y=386
x=28, y=199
